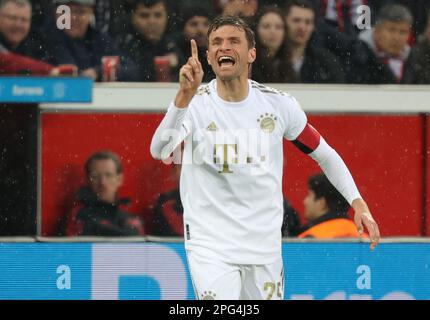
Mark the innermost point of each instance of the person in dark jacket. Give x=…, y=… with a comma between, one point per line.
x=239, y=8
x=168, y=215
x=84, y=46
x=99, y=213
x=196, y=22
x=146, y=39
x=311, y=64
x=168, y=210
x=340, y=15
x=419, y=71
x=381, y=55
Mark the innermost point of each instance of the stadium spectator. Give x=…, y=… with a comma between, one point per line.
x=147, y=39
x=84, y=46
x=168, y=210
x=419, y=71
x=272, y=64
x=418, y=8
x=381, y=54
x=99, y=213
x=246, y=9
x=311, y=64
x=196, y=22
x=341, y=15
x=22, y=48
x=326, y=211
x=111, y=17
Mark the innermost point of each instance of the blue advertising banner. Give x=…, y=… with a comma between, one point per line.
x=152, y=271
x=351, y=271
x=45, y=89
x=45, y=271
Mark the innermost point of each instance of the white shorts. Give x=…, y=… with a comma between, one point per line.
x=217, y=280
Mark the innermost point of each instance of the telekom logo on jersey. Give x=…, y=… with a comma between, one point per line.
x=224, y=149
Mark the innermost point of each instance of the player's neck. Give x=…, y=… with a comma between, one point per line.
x=234, y=90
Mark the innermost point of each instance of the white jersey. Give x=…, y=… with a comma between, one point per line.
x=231, y=179
x=232, y=198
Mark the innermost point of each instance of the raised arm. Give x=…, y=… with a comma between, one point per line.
x=176, y=124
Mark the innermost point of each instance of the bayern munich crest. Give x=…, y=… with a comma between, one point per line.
x=267, y=122
x=208, y=295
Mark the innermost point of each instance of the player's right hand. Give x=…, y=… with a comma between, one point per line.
x=191, y=74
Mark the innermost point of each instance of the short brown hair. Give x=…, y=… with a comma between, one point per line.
x=394, y=13
x=235, y=22
x=103, y=155
x=19, y=3
x=304, y=4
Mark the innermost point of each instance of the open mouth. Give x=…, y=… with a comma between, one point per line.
x=226, y=61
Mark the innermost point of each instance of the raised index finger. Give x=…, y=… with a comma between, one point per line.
x=194, y=51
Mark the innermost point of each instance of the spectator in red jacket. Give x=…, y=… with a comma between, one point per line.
x=21, y=50
x=13, y=64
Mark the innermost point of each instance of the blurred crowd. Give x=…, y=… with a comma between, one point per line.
x=298, y=41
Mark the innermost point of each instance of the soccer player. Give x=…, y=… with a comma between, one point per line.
x=231, y=180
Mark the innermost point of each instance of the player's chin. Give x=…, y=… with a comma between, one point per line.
x=225, y=75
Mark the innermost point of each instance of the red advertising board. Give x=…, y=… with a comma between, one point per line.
x=384, y=154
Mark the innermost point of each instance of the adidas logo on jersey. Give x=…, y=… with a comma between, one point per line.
x=212, y=127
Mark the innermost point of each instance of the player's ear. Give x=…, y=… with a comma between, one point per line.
x=252, y=55
x=207, y=57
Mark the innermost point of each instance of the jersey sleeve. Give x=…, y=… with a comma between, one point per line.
x=305, y=137
x=336, y=170
x=293, y=116
x=176, y=125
